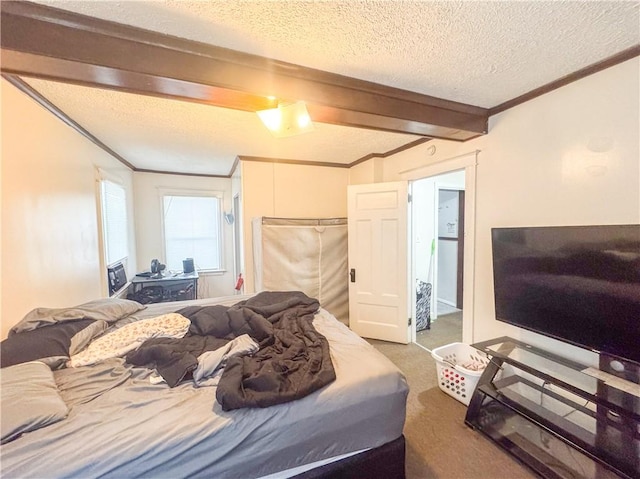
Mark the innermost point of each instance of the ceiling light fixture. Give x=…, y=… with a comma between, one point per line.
x=287, y=119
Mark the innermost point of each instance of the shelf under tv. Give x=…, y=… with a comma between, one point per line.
x=555, y=417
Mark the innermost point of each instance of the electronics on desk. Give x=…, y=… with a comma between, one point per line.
x=157, y=268
x=188, y=266
x=117, y=278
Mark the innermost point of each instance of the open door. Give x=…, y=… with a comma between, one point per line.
x=377, y=229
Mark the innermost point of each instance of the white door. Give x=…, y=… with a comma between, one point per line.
x=378, y=306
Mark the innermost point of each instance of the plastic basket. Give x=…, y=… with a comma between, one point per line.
x=459, y=369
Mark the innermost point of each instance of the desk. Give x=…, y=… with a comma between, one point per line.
x=171, y=287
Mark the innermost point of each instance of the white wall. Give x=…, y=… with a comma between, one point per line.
x=289, y=191
x=448, y=206
x=148, y=207
x=423, y=214
x=50, y=240
x=568, y=157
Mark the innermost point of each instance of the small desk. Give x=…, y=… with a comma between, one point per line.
x=170, y=287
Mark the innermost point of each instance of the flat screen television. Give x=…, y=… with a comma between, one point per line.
x=579, y=284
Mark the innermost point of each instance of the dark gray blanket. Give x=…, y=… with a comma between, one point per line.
x=292, y=362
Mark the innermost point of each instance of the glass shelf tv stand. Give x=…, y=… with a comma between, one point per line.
x=555, y=415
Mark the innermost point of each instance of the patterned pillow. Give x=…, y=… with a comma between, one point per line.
x=129, y=337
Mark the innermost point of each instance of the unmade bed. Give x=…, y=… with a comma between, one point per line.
x=120, y=423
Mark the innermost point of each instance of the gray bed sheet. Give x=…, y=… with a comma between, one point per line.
x=120, y=425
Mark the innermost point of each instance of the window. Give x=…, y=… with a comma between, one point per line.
x=114, y=221
x=192, y=230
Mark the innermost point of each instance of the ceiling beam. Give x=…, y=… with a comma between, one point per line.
x=49, y=43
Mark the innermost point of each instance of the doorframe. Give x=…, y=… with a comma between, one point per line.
x=236, y=209
x=468, y=162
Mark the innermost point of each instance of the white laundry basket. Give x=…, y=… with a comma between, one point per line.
x=459, y=369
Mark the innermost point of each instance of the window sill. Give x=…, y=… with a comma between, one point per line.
x=211, y=272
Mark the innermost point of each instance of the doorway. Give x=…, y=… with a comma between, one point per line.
x=395, y=276
x=437, y=213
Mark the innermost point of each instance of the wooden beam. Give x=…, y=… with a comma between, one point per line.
x=44, y=42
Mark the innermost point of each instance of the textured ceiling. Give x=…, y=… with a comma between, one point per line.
x=168, y=135
x=481, y=53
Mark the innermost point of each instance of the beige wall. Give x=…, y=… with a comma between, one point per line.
x=569, y=157
x=148, y=207
x=367, y=172
x=289, y=191
x=50, y=240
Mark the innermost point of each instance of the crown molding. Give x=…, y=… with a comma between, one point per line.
x=623, y=56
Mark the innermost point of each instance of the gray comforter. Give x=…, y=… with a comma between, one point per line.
x=122, y=425
x=292, y=362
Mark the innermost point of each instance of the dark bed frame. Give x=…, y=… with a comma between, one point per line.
x=383, y=462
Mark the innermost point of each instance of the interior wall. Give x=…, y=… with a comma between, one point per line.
x=569, y=157
x=423, y=213
x=149, y=226
x=288, y=191
x=50, y=237
x=448, y=207
x=370, y=171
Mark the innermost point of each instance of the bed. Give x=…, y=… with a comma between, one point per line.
x=121, y=423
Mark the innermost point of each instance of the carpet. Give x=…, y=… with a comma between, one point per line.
x=445, y=329
x=439, y=444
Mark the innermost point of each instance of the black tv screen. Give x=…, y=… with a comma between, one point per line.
x=579, y=284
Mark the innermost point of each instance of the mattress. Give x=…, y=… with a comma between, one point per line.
x=122, y=425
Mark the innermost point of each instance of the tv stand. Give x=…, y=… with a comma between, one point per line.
x=554, y=416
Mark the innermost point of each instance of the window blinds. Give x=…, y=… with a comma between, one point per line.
x=114, y=221
x=192, y=230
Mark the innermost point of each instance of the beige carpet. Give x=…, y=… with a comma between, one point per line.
x=446, y=329
x=439, y=444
